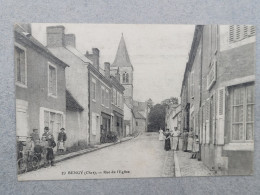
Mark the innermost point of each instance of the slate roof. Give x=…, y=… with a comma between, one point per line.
x=122, y=58
x=138, y=115
x=71, y=102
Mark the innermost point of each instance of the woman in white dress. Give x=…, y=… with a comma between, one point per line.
x=161, y=136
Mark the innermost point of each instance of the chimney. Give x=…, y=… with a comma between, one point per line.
x=70, y=40
x=94, y=57
x=27, y=27
x=55, y=36
x=107, y=69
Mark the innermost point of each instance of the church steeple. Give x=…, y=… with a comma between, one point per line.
x=122, y=58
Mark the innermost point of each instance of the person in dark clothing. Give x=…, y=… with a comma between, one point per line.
x=38, y=150
x=46, y=132
x=50, y=154
x=35, y=135
x=62, y=137
x=167, y=145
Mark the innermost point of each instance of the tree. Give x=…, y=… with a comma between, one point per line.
x=170, y=101
x=156, y=118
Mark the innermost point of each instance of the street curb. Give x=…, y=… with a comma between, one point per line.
x=89, y=151
x=177, y=166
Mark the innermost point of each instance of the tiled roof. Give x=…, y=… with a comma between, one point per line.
x=138, y=115
x=71, y=102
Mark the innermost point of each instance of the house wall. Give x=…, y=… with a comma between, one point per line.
x=140, y=125
x=76, y=75
x=96, y=107
x=36, y=93
x=73, y=128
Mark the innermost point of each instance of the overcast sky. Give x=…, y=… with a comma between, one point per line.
x=158, y=52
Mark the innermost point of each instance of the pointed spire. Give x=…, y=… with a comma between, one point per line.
x=122, y=58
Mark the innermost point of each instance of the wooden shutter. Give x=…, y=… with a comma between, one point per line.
x=221, y=116
x=207, y=121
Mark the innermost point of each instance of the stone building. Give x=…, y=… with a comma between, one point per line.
x=218, y=96
x=132, y=108
x=40, y=85
x=64, y=47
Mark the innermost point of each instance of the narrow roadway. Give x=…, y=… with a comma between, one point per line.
x=143, y=156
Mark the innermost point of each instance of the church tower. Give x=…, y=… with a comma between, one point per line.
x=122, y=61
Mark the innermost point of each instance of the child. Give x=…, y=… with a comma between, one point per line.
x=38, y=149
x=44, y=144
x=35, y=135
x=195, y=147
x=51, y=145
x=28, y=148
x=62, y=137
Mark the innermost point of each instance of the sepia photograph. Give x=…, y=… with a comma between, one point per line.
x=100, y=101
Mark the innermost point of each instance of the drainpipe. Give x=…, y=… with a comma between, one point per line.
x=201, y=55
x=89, y=107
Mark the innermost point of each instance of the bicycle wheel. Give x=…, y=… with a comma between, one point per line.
x=21, y=166
x=35, y=162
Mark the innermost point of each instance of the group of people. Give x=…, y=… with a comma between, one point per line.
x=42, y=148
x=167, y=135
x=190, y=141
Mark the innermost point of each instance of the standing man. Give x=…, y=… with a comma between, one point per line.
x=46, y=132
x=35, y=135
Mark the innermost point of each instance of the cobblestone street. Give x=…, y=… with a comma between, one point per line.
x=185, y=166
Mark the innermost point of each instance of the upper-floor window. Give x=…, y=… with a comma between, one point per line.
x=102, y=95
x=20, y=65
x=242, y=113
x=52, y=80
x=240, y=32
x=125, y=77
x=93, y=89
x=107, y=98
x=114, y=96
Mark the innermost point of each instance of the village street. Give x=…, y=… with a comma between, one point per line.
x=142, y=156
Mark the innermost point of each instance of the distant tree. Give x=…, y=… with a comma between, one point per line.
x=149, y=103
x=170, y=101
x=156, y=118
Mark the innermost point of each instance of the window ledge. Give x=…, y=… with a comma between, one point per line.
x=239, y=146
x=94, y=100
x=53, y=96
x=21, y=85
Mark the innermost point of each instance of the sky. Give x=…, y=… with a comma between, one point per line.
x=158, y=52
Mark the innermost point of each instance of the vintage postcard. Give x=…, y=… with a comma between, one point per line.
x=96, y=101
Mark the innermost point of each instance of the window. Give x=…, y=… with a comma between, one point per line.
x=52, y=85
x=103, y=96
x=114, y=96
x=20, y=65
x=93, y=89
x=192, y=85
x=240, y=32
x=107, y=98
x=118, y=99
x=53, y=120
x=125, y=77
x=242, y=113
x=136, y=123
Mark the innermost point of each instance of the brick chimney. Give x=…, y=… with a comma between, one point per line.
x=107, y=69
x=55, y=36
x=70, y=40
x=94, y=57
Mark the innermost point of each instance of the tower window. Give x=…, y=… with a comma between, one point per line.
x=125, y=77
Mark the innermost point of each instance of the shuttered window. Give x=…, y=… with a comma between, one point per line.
x=20, y=65
x=242, y=113
x=240, y=32
x=93, y=89
x=52, y=80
